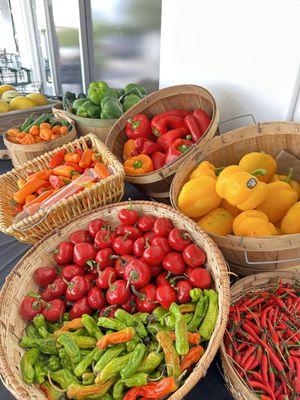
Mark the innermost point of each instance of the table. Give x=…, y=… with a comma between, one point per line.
x=210, y=387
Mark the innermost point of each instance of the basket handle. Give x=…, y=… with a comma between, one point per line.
x=239, y=117
x=268, y=262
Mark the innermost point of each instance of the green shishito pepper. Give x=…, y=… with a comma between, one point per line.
x=135, y=361
x=91, y=326
x=130, y=101
x=87, y=361
x=28, y=360
x=32, y=332
x=89, y=110
x=111, y=323
x=207, y=327
x=181, y=336
x=65, y=359
x=151, y=362
x=138, y=379
x=64, y=378
x=54, y=363
x=118, y=389
x=51, y=392
x=112, y=369
x=40, y=324
x=133, y=321
x=112, y=109
x=199, y=314
x=71, y=348
x=171, y=356
x=46, y=346
x=109, y=355
x=41, y=371
x=88, y=378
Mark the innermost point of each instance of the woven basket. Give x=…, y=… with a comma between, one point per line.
x=16, y=118
x=35, y=227
x=188, y=97
x=235, y=384
x=22, y=153
x=249, y=254
x=20, y=281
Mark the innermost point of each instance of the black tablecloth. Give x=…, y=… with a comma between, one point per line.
x=211, y=387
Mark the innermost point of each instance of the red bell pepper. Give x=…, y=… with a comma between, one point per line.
x=179, y=147
x=137, y=127
x=202, y=118
x=166, y=140
x=145, y=146
x=158, y=159
x=176, y=113
x=57, y=159
x=165, y=123
x=191, y=122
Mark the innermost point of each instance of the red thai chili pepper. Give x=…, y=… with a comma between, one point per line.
x=263, y=319
x=297, y=377
x=247, y=354
x=264, y=368
x=139, y=126
x=257, y=385
x=256, y=376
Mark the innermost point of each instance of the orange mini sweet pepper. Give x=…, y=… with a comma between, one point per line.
x=86, y=158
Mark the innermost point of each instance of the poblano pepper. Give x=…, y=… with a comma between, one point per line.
x=28, y=360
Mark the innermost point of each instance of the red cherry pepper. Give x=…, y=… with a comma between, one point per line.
x=128, y=216
x=64, y=253
x=69, y=271
x=54, y=310
x=166, y=123
x=95, y=226
x=153, y=255
x=96, y=298
x=179, y=147
x=191, y=123
x=165, y=295
x=108, y=311
x=179, y=239
x=149, y=235
x=166, y=140
x=30, y=307
x=145, y=146
x=43, y=276
x=83, y=252
x=118, y=293
x=146, y=300
x=106, y=277
x=90, y=280
x=104, y=258
x=202, y=118
x=77, y=287
x=54, y=290
x=138, y=126
x=161, y=279
x=139, y=246
x=103, y=239
x=183, y=291
x=79, y=236
x=200, y=278
x=130, y=305
x=137, y=273
x=121, y=263
x=194, y=256
x=145, y=223
x=122, y=245
x=162, y=242
x=155, y=270
x=158, y=159
x=130, y=231
x=80, y=307
x=162, y=227
x=57, y=159
x=173, y=262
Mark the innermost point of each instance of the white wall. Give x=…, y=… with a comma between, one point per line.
x=246, y=53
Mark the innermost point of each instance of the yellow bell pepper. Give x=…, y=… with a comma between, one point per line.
x=253, y=223
x=240, y=189
x=229, y=207
x=204, y=168
x=253, y=161
x=291, y=221
x=198, y=197
x=218, y=222
x=279, y=200
x=288, y=178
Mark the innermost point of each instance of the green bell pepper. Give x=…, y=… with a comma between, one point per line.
x=134, y=88
x=89, y=110
x=130, y=101
x=112, y=109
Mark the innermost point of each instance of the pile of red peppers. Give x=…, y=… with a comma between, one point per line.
x=162, y=139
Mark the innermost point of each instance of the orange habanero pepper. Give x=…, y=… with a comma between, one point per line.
x=141, y=164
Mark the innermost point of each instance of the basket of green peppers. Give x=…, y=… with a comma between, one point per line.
x=97, y=111
x=121, y=357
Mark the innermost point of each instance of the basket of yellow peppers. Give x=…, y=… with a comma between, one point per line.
x=249, y=207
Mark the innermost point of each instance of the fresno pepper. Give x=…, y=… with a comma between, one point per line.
x=40, y=175
x=58, y=181
x=141, y=164
x=179, y=147
x=191, y=123
x=57, y=159
x=171, y=356
x=128, y=149
x=72, y=157
x=75, y=167
x=165, y=124
x=166, y=140
x=138, y=127
x=81, y=392
x=28, y=189
x=86, y=159
x=192, y=357
x=202, y=118
x=153, y=390
x=134, y=361
x=122, y=336
x=145, y=146
x=64, y=170
x=159, y=159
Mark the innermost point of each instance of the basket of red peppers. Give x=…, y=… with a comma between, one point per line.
x=126, y=306
x=260, y=353
x=156, y=135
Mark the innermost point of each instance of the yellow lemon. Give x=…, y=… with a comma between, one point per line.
x=4, y=107
x=9, y=95
x=22, y=103
x=5, y=88
x=38, y=98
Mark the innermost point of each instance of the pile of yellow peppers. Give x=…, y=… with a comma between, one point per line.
x=248, y=199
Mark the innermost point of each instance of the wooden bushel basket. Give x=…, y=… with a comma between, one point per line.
x=188, y=97
x=20, y=281
x=263, y=281
x=248, y=255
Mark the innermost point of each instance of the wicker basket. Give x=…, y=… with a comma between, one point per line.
x=249, y=254
x=20, y=281
x=33, y=228
x=21, y=153
x=16, y=118
x=235, y=384
x=188, y=97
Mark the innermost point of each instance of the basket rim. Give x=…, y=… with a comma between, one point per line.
x=242, y=240
x=214, y=118
x=75, y=116
x=226, y=363
x=222, y=278
x=11, y=113
x=42, y=213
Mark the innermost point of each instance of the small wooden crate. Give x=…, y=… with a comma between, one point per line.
x=21, y=153
x=263, y=281
x=246, y=253
x=35, y=227
x=188, y=97
x=20, y=281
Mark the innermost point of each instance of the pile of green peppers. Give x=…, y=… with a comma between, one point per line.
x=72, y=364
x=104, y=102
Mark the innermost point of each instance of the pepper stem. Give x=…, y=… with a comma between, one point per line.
x=137, y=293
x=289, y=176
x=259, y=171
x=219, y=170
